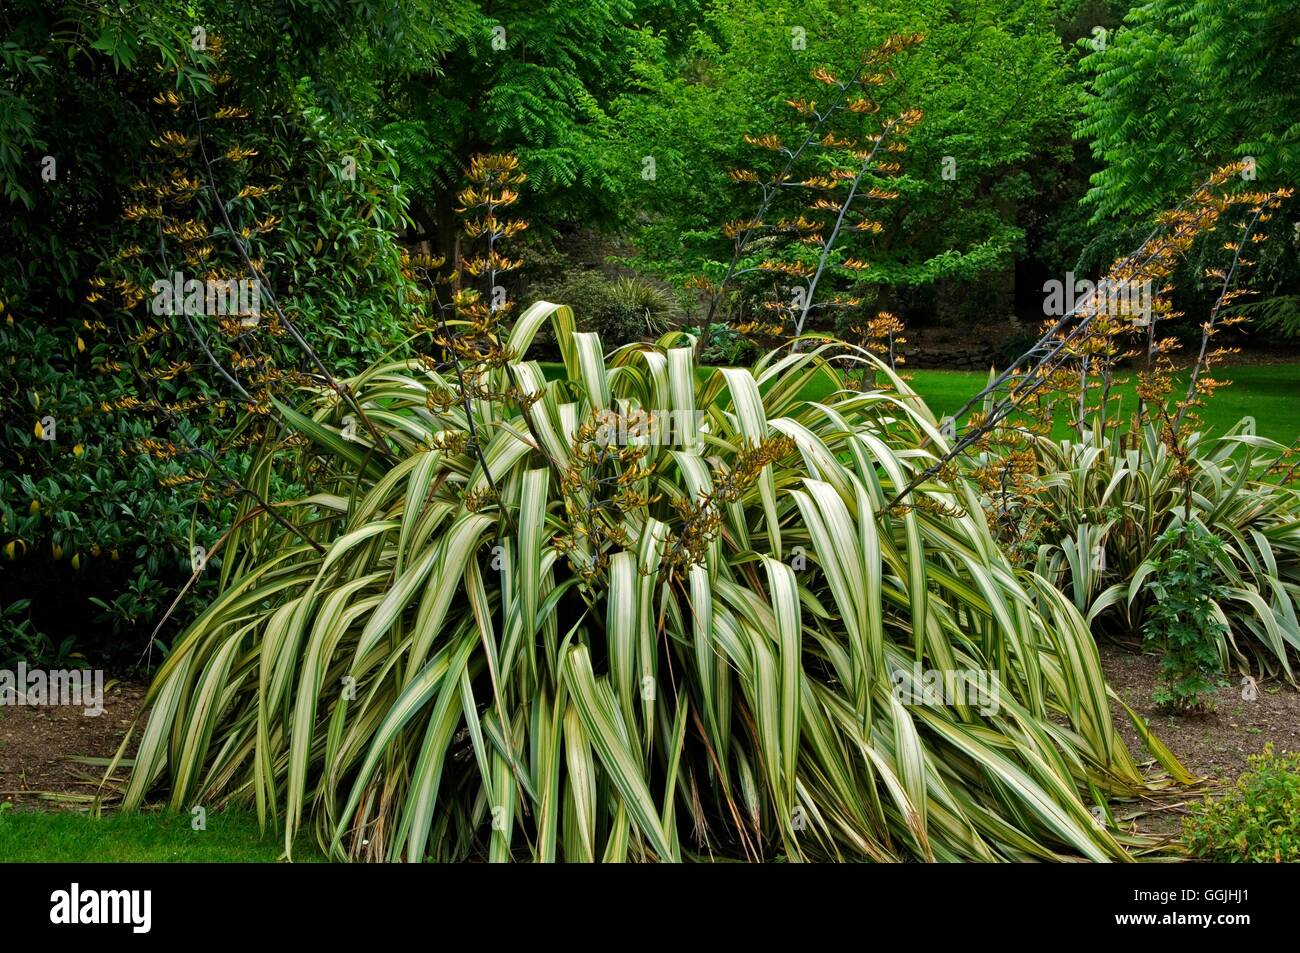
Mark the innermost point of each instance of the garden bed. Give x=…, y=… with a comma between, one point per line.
x=39, y=747
x=1214, y=745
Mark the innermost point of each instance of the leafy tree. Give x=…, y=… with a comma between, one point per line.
x=1184, y=87
x=527, y=77
x=991, y=79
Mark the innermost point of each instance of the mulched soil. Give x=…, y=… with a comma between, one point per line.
x=38, y=743
x=1213, y=746
x=1216, y=744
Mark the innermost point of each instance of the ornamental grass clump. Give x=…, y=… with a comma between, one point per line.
x=552, y=634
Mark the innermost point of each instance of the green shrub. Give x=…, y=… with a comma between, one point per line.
x=1183, y=621
x=93, y=547
x=1257, y=821
x=97, y=525
x=619, y=316
x=726, y=347
x=19, y=641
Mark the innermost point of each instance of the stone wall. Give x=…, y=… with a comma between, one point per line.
x=969, y=357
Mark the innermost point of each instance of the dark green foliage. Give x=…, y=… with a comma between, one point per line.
x=1182, y=620
x=991, y=77
x=531, y=78
x=727, y=348
x=1278, y=315
x=1258, y=821
x=96, y=538
x=617, y=315
x=1184, y=87
x=21, y=642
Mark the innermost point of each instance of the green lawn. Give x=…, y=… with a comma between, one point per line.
x=1270, y=393
x=72, y=837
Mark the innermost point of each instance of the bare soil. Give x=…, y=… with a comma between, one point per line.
x=1213, y=746
x=38, y=746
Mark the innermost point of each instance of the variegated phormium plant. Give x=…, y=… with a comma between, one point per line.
x=1109, y=502
x=626, y=642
